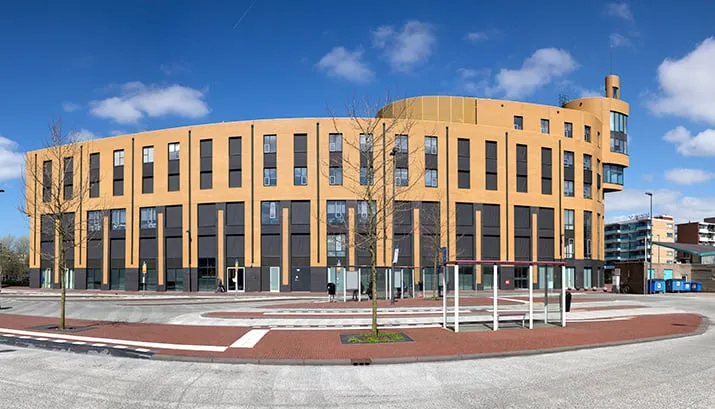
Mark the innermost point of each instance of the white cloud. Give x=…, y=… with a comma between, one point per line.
x=630, y=200
x=342, y=63
x=472, y=81
x=115, y=132
x=702, y=144
x=477, y=36
x=408, y=47
x=137, y=101
x=685, y=176
x=174, y=68
x=687, y=85
x=543, y=66
x=70, y=106
x=619, y=40
x=11, y=161
x=682, y=208
x=620, y=10
x=82, y=135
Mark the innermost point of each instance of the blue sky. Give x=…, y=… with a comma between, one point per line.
x=119, y=67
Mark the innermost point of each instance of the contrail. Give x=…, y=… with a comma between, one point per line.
x=244, y=14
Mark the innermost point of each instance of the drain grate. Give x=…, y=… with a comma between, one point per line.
x=361, y=362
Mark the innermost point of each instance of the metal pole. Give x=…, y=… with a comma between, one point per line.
x=456, y=298
x=650, y=230
x=444, y=297
x=413, y=283
x=531, y=297
x=345, y=285
x=495, y=285
x=563, y=296
x=402, y=284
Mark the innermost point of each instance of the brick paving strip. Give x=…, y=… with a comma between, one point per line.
x=427, y=302
x=324, y=347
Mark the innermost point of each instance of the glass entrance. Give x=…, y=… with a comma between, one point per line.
x=335, y=276
x=207, y=274
x=587, y=277
x=47, y=278
x=236, y=278
x=275, y=279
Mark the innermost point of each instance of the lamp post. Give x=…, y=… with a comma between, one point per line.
x=144, y=276
x=393, y=153
x=188, y=233
x=649, y=251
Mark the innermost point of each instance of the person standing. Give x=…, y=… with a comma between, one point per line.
x=331, y=292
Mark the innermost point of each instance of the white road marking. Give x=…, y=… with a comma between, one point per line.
x=513, y=299
x=102, y=341
x=598, y=319
x=361, y=328
x=250, y=339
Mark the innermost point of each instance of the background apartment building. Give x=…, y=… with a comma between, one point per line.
x=630, y=240
x=697, y=232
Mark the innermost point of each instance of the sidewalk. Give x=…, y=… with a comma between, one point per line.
x=243, y=344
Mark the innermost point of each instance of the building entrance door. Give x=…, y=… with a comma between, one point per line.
x=275, y=277
x=301, y=279
x=235, y=279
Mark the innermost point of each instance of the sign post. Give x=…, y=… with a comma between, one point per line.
x=235, y=276
x=144, y=276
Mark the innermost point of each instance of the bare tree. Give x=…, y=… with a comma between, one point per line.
x=56, y=190
x=376, y=161
x=14, y=253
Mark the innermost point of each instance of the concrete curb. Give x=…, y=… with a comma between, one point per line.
x=702, y=328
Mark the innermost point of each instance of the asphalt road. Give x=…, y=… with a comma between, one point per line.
x=676, y=373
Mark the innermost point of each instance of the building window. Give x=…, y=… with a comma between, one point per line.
x=270, y=213
x=614, y=91
x=147, y=218
x=94, y=175
x=119, y=219
x=587, y=234
x=365, y=142
x=431, y=178
x=522, y=169
x=269, y=177
x=401, y=143
x=568, y=188
x=300, y=176
x=119, y=158
x=569, y=248
x=545, y=126
x=366, y=176
x=235, y=172
x=491, y=165
x=463, y=165
x=336, y=176
x=568, y=129
x=569, y=219
x=401, y=178
x=613, y=174
x=546, y=171
x=619, y=133
x=587, y=133
x=430, y=145
x=587, y=191
x=669, y=235
x=568, y=159
x=336, y=245
x=206, y=164
x=670, y=225
x=148, y=154
x=363, y=210
x=336, y=212
x=174, y=151
x=269, y=144
x=94, y=221
x=586, y=162
x=68, y=178
x=518, y=122
x=336, y=142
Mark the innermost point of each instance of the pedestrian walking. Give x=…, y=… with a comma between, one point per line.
x=331, y=292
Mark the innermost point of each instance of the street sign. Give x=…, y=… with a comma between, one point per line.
x=444, y=255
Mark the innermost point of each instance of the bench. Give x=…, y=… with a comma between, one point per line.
x=514, y=316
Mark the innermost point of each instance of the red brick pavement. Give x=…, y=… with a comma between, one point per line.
x=435, y=342
x=325, y=344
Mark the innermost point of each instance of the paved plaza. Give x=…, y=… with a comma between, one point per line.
x=667, y=373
